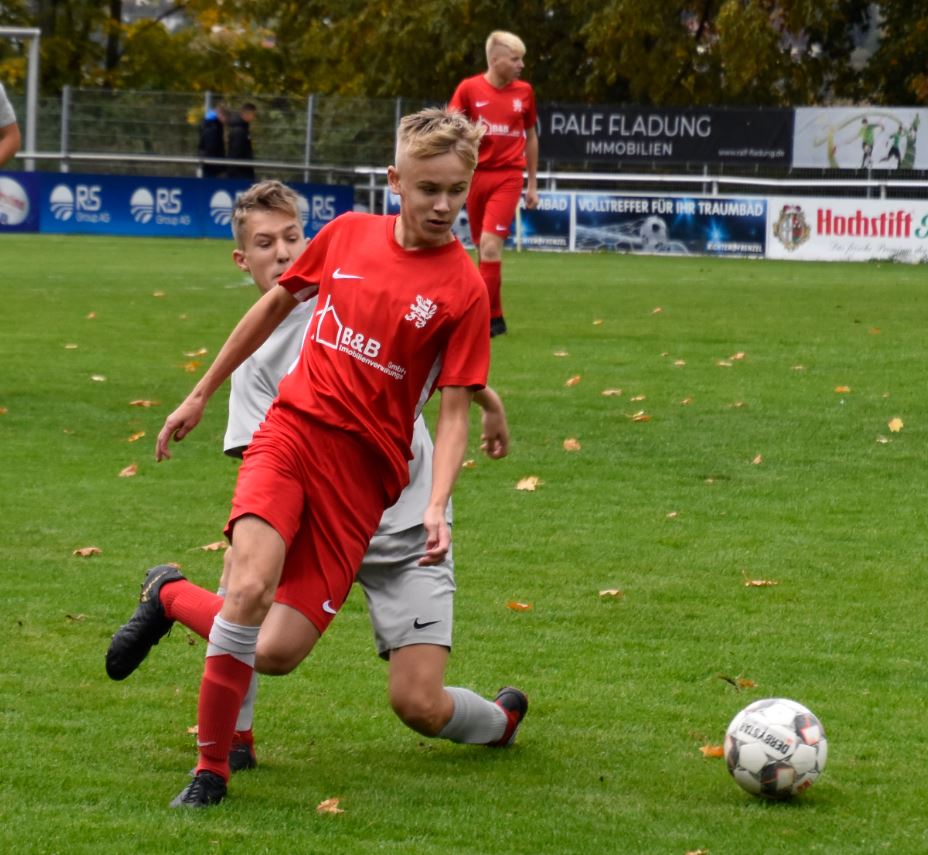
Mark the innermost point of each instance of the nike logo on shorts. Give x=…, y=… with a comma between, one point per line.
x=418, y=624
x=339, y=275
x=327, y=608
x=500, y=228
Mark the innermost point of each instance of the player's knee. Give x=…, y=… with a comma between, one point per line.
x=250, y=594
x=421, y=710
x=275, y=662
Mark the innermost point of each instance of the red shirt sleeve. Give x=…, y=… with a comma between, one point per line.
x=302, y=278
x=459, y=101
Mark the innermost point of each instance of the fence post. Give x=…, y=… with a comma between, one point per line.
x=308, y=148
x=63, y=165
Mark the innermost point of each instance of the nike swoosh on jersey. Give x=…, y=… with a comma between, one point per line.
x=481, y=103
x=417, y=624
x=339, y=275
x=327, y=607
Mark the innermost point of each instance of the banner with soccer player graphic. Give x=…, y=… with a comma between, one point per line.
x=860, y=138
x=841, y=229
x=673, y=225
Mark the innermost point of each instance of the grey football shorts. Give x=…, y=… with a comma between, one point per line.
x=408, y=604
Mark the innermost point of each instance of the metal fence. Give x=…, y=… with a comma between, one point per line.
x=343, y=140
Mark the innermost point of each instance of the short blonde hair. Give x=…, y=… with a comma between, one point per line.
x=263, y=196
x=510, y=41
x=436, y=131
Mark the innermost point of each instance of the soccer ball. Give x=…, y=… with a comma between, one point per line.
x=775, y=748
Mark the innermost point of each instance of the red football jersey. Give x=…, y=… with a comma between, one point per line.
x=506, y=113
x=391, y=325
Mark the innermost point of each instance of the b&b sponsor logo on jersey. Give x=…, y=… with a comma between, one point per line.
x=165, y=206
x=332, y=333
x=83, y=204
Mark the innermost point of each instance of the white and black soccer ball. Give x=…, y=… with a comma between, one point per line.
x=653, y=233
x=775, y=748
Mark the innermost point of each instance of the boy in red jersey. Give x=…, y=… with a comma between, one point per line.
x=505, y=106
x=401, y=312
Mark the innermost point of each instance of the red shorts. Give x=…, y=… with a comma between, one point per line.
x=321, y=489
x=492, y=200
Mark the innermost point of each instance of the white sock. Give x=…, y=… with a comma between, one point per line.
x=246, y=713
x=475, y=720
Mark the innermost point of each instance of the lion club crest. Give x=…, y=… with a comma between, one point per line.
x=516, y=105
x=791, y=227
x=422, y=311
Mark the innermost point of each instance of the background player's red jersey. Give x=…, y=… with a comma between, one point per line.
x=506, y=113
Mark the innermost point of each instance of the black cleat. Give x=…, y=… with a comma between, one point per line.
x=241, y=754
x=497, y=326
x=147, y=626
x=513, y=702
x=206, y=788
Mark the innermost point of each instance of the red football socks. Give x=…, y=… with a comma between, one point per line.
x=225, y=681
x=193, y=606
x=490, y=271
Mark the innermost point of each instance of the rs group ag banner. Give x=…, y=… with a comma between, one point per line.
x=575, y=133
x=843, y=229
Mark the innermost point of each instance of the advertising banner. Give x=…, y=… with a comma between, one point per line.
x=548, y=225
x=575, y=133
x=860, y=138
x=848, y=229
x=72, y=203
x=671, y=224
x=19, y=198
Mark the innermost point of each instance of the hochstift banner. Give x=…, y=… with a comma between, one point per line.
x=575, y=133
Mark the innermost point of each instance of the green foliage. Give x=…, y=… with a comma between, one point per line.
x=765, y=52
x=623, y=692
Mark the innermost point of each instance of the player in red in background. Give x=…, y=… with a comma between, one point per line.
x=505, y=106
x=401, y=311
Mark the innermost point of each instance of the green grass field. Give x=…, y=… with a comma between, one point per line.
x=751, y=467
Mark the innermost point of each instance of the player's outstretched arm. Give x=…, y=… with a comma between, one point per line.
x=450, y=446
x=249, y=334
x=494, y=434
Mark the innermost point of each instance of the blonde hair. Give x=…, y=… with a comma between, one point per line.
x=436, y=131
x=263, y=196
x=510, y=41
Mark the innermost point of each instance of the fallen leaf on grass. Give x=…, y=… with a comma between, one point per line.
x=611, y=393
x=141, y=403
x=895, y=425
x=215, y=547
x=758, y=460
x=737, y=357
x=329, y=806
x=883, y=440
x=136, y=436
x=739, y=682
x=87, y=551
x=737, y=405
x=157, y=293
x=640, y=416
x=470, y=463
x=98, y=378
x=679, y=363
x=686, y=402
x=712, y=750
x=698, y=852
x=758, y=583
x=723, y=363
x=561, y=353
x=842, y=390
x=571, y=444
x=91, y=315
x=79, y=618
x=572, y=381
x=514, y=606
x=192, y=366
x=673, y=515
x=598, y=322
x=129, y=471
x=201, y=352
x=656, y=310
x=3, y=411
x=193, y=730
x=611, y=594
x=530, y=483
x=638, y=398
x=70, y=346
x=798, y=368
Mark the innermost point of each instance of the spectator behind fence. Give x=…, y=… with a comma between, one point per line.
x=10, y=138
x=212, y=143
x=240, y=142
